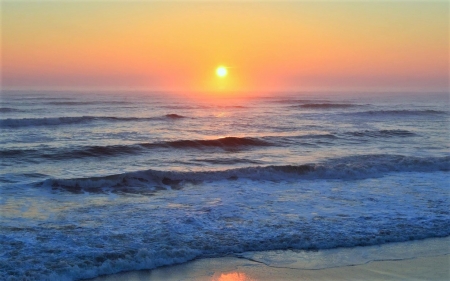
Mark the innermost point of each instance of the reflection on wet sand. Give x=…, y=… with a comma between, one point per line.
x=233, y=276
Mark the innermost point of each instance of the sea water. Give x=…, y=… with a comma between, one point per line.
x=95, y=183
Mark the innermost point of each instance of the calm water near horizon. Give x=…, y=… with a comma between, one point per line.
x=98, y=183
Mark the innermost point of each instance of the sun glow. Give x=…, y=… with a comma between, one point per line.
x=221, y=71
x=326, y=45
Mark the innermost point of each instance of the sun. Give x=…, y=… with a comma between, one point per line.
x=221, y=71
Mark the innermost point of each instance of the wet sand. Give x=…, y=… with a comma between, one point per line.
x=426, y=267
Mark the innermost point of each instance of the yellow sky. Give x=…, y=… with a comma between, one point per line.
x=270, y=45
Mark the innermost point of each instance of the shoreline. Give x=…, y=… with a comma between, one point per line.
x=427, y=259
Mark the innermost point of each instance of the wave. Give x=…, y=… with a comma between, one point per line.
x=325, y=105
x=298, y=101
x=404, y=112
x=228, y=161
x=52, y=121
x=55, y=121
x=346, y=168
x=9, y=109
x=16, y=152
x=316, y=136
x=227, y=143
x=74, y=103
x=184, y=106
x=382, y=133
x=174, y=116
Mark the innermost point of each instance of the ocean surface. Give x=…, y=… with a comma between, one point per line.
x=95, y=183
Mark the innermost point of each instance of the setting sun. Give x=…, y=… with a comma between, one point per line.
x=221, y=71
x=239, y=140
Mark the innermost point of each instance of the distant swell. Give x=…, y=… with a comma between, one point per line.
x=382, y=133
x=317, y=136
x=228, y=161
x=228, y=143
x=352, y=167
x=55, y=121
x=26, y=122
x=9, y=109
x=76, y=103
x=325, y=105
x=399, y=112
x=73, y=102
x=298, y=101
x=174, y=116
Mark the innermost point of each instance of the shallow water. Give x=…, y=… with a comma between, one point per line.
x=97, y=183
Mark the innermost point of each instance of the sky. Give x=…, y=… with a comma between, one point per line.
x=265, y=45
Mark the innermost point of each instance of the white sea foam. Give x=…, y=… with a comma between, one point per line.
x=86, y=235
x=122, y=181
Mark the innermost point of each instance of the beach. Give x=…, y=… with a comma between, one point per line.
x=96, y=184
x=429, y=266
x=224, y=140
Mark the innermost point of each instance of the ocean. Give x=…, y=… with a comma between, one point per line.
x=95, y=183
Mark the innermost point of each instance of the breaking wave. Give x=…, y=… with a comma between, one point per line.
x=347, y=168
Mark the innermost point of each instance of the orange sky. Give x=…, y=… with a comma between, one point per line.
x=271, y=45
